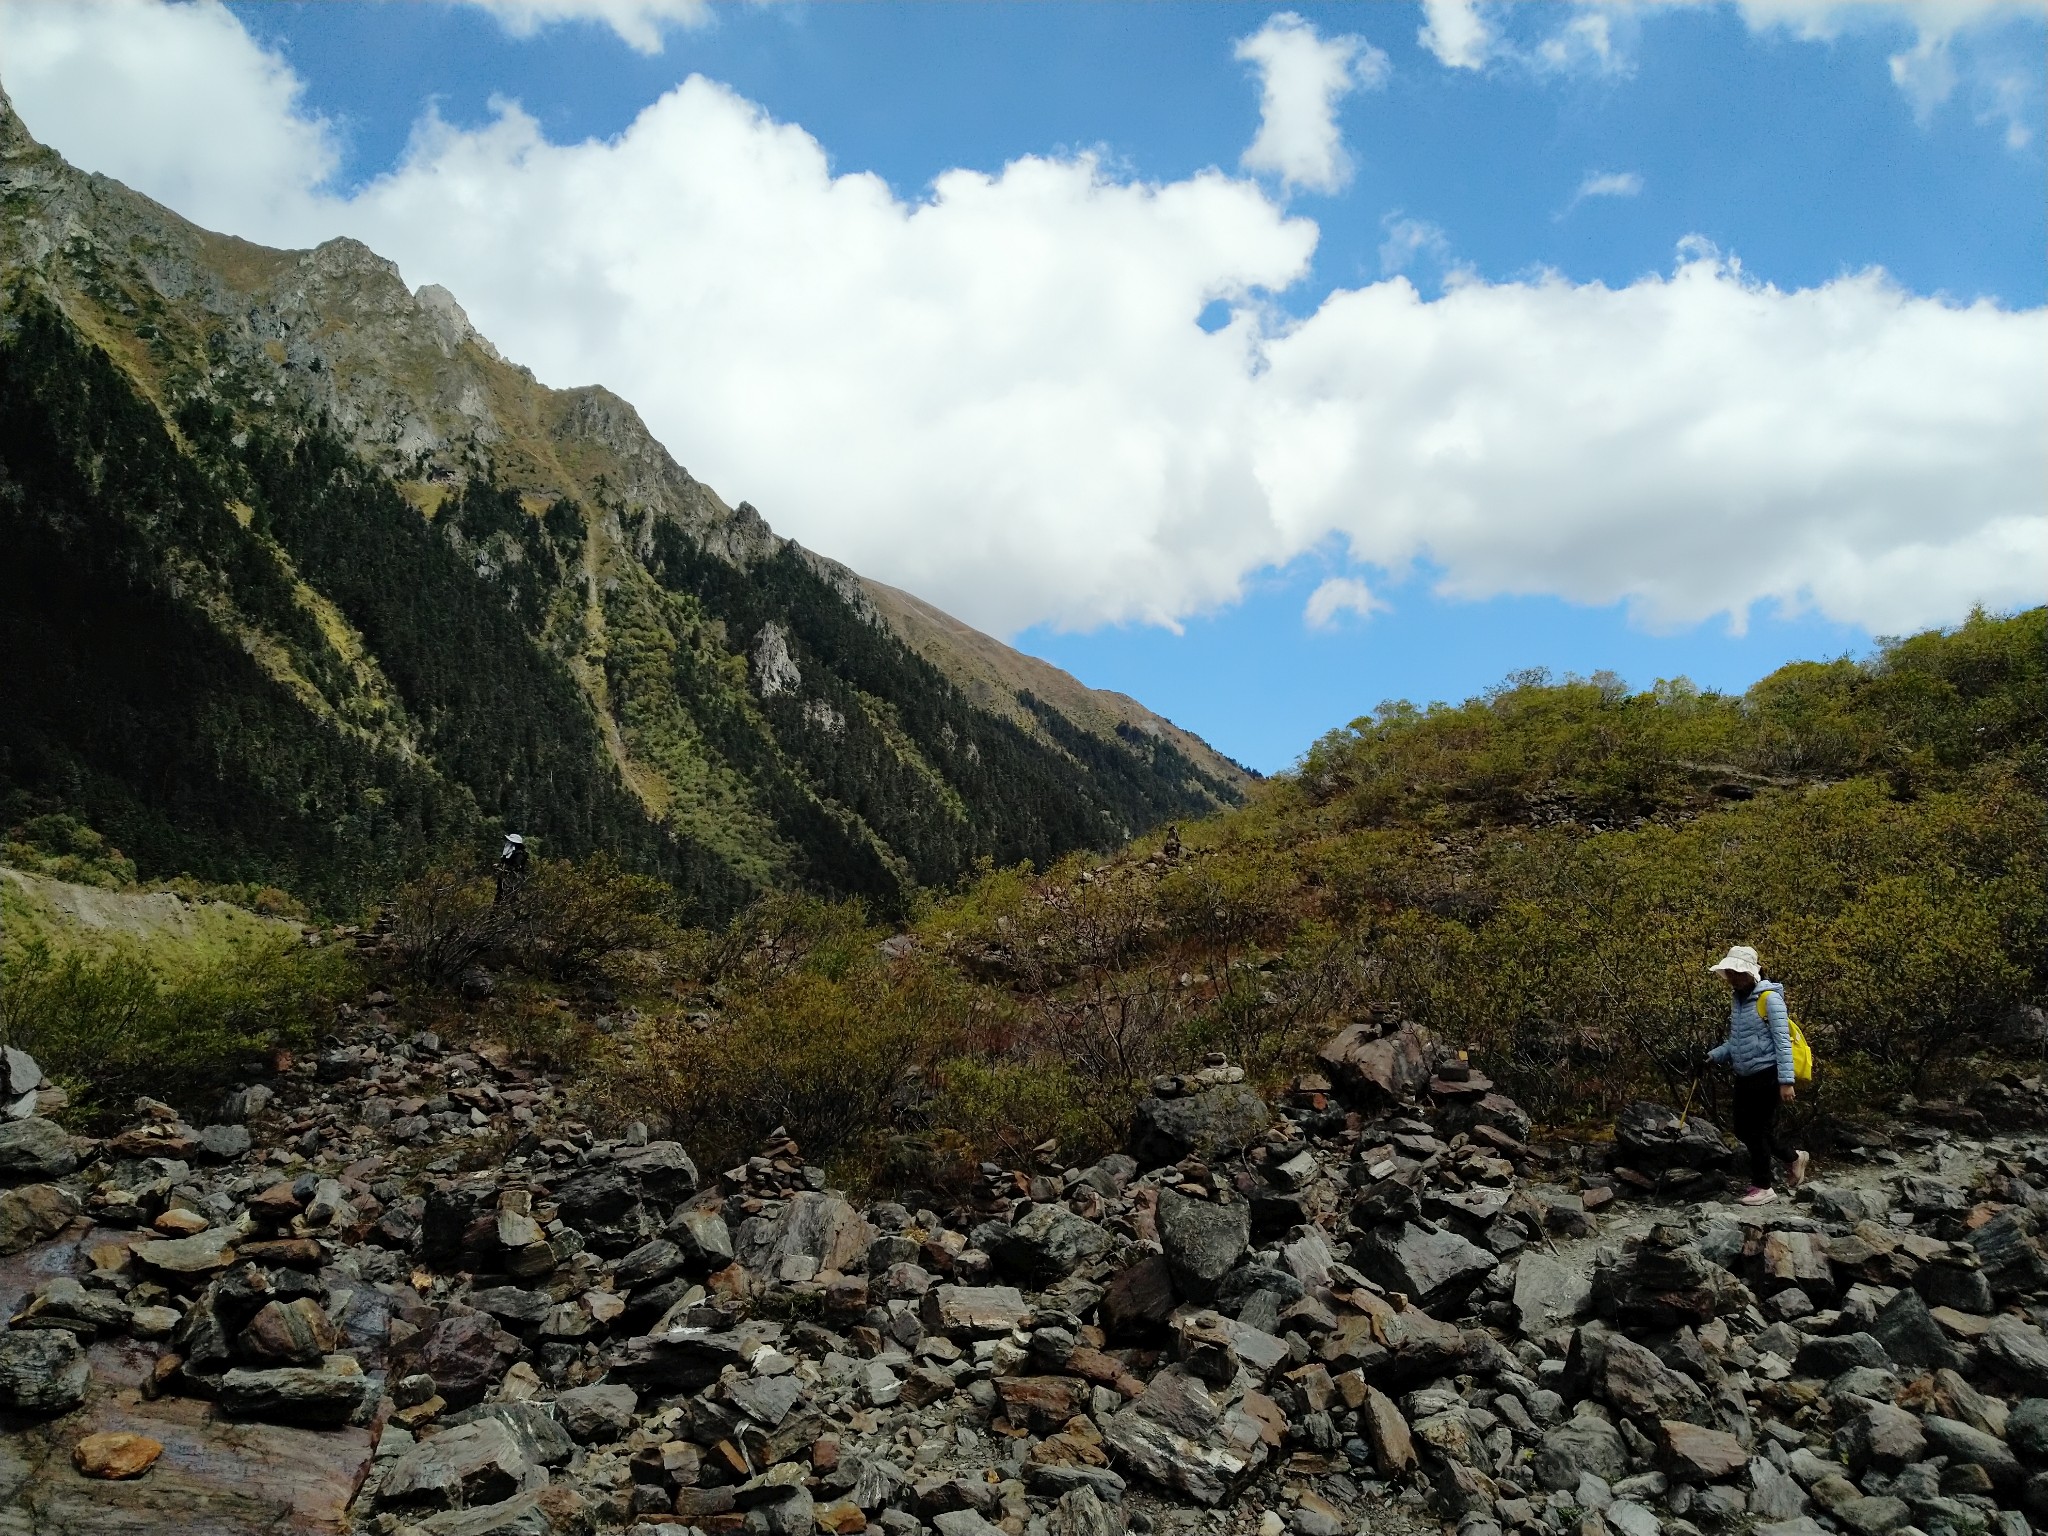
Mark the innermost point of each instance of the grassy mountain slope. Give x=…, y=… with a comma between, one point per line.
x=311, y=581
x=1541, y=875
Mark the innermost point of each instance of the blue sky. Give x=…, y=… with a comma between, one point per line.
x=1644, y=407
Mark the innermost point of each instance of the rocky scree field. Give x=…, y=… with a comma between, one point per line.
x=400, y=1288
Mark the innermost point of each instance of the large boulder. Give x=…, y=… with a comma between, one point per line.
x=820, y=1231
x=1214, y=1123
x=295, y=1395
x=1584, y=1443
x=2018, y=1351
x=1049, y=1242
x=1203, y=1241
x=463, y=1353
x=1381, y=1068
x=1911, y=1336
x=1549, y=1293
x=1961, y=1442
x=1434, y=1267
x=476, y=1463
x=32, y=1212
x=35, y=1148
x=2011, y=1255
x=1185, y=1437
x=1632, y=1381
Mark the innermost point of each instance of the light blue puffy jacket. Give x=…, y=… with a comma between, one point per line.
x=1755, y=1044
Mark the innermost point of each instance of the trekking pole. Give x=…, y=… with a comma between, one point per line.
x=1685, y=1114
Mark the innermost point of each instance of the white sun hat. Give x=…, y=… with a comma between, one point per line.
x=1741, y=958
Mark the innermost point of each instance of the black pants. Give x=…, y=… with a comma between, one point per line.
x=1756, y=1123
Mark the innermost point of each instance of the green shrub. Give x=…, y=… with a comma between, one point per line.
x=567, y=919
x=65, y=848
x=112, y=1024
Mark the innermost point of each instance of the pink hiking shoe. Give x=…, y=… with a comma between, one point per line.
x=1759, y=1196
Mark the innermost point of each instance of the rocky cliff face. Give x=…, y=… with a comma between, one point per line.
x=308, y=395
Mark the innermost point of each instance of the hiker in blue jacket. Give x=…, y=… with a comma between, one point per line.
x=1759, y=1050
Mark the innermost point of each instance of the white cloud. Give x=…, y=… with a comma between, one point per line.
x=999, y=397
x=1956, y=44
x=1604, y=184
x=1339, y=595
x=1463, y=34
x=1456, y=32
x=178, y=101
x=1610, y=184
x=638, y=23
x=1407, y=239
x=1302, y=77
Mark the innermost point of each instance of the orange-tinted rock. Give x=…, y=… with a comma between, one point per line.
x=116, y=1454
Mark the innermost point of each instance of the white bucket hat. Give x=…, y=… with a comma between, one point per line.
x=1741, y=958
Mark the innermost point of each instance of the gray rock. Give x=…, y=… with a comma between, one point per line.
x=522, y=1515
x=700, y=1231
x=1959, y=1442
x=294, y=1395
x=964, y=1522
x=224, y=1143
x=246, y=1103
x=678, y=1361
x=1801, y=1525
x=812, y=1225
x=595, y=1415
x=1213, y=1123
x=31, y=1212
x=2019, y=1352
x=1206, y=1472
x=1961, y=1286
x=19, y=1073
x=41, y=1371
x=1634, y=1382
x=1433, y=1268
x=649, y=1264
x=2010, y=1253
x=476, y=1463
x=1549, y=1293
x=35, y=1148
x=1774, y=1495
x=766, y=1399
x=541, y=1437
x=1055, y=1482
x=1839, y=1202
x=1631, y=1519
x=1081, y=1512
x=64, y=1303
x=1910, y=1336
x=1881, y=1436
x=660, y=1170
x=1387, y=1068
x=1049, y=1242
x=1873, y=1516
x=1828, y=1356
x=2026, y=1430
x=1584, y=1443
x=1203, y=1241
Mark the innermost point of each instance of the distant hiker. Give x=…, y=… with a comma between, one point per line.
x=512, y=863
x=1759, y=1049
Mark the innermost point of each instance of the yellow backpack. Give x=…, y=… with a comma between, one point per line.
x=1802, y=1053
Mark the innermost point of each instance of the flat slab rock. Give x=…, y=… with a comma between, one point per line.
x=214, y=1478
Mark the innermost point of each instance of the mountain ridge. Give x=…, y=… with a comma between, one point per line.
x=868, y=773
